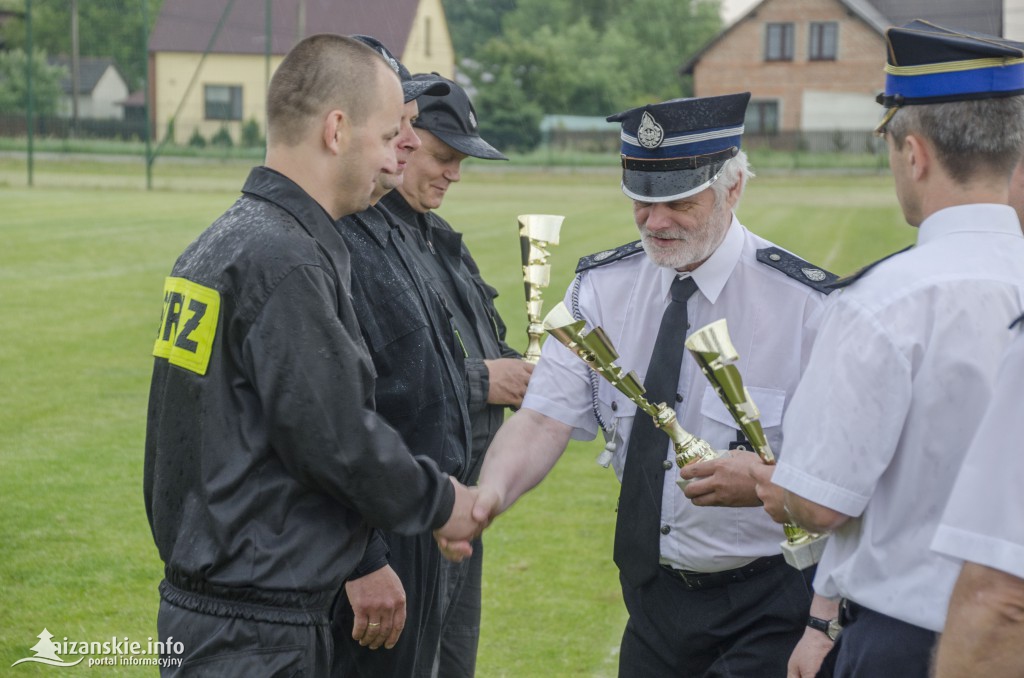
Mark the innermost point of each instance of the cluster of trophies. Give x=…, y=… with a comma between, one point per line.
x=711, y=346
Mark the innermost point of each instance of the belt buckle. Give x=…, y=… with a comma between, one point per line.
x=692, y=584
x=844, y=612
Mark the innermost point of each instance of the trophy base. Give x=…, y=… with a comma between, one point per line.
x=807, y=553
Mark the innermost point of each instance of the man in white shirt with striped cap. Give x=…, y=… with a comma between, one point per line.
x=907, y=354
x=706, y=588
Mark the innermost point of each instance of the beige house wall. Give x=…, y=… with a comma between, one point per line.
x=429, y=48
x=737, y=64
x=174, y=71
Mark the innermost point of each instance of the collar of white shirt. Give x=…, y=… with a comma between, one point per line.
x=988, y=218
x=712, y=275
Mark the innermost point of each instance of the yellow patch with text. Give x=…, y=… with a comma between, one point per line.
x=188, y=325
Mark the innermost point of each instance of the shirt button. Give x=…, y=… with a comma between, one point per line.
x=615, y=407
x=679, y=397
x=667, y=465
x=665, y=529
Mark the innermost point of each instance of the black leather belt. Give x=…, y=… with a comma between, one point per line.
x=701, y=581
x=848, y=611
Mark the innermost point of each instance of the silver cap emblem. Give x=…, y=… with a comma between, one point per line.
x=391, y=61
x=650, y=134
x=472, y=120
x=815, y=274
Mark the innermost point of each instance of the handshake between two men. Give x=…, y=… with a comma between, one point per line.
x=473, y=511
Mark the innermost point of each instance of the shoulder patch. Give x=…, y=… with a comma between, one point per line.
x=1018, y=322
x=848, y=280
x=609, y=256
x=798, y=269
x=188, y=325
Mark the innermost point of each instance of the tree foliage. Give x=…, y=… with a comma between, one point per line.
x=111, y=28
x=471, y=23
x=46, y=79
x=580, y=57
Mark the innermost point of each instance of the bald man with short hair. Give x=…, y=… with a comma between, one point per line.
x=266, y=466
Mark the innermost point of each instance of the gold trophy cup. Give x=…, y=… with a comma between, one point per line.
x=536, y=232
x=596, y=350
x=715, y=353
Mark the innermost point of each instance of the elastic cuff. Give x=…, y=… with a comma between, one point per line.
x=445, y=505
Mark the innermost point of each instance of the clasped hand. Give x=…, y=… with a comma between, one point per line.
x=726, y=481
x=474, y=509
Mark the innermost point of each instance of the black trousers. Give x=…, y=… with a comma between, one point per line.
x=873, y=644
x=221, y=647
x=417, y=561
x=460, y=633
x=746, y=629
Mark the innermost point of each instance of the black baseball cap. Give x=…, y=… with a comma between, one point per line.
x=451, y=118
x=413, y=89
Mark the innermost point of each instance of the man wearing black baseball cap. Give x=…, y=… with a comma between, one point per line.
x=393, y=600
x=495, y=376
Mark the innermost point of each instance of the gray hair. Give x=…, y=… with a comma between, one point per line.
x=980, y=135
x=735, y=169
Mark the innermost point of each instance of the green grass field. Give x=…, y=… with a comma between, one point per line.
x=82, y=260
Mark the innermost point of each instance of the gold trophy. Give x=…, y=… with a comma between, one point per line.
x=536, y=232
x=714, y=352
x=596, y=350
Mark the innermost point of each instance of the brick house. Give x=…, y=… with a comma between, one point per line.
x=210, y=60
x=815, y=66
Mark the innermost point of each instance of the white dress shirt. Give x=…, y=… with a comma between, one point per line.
x=898, y=380
x=984, y=519
x=770, y=319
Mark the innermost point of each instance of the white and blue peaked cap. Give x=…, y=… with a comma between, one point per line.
x=677, y=148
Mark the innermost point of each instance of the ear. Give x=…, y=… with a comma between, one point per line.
x=732, y=196
x=919, y=156
x=336, y=131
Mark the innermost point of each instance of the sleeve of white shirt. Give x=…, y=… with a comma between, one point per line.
x=984, y=519
x=844, y=422
x=560, y=384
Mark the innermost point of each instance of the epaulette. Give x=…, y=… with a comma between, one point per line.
x=848, y=280
x=797, y=269
x=608, y=256
x=1018, y=321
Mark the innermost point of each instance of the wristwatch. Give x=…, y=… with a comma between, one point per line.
x=830, y=627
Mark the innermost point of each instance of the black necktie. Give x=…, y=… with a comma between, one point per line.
x=637, y=541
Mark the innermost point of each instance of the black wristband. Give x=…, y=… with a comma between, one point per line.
x=830, y=627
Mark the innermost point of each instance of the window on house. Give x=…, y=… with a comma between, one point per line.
x=762, y=118
x=778, y=44
x=223, y=102
x=824, y=38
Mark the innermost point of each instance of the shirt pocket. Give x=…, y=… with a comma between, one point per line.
x=720, y=429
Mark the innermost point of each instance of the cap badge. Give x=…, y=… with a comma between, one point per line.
x=391, y=61
x=472, y=120
x=815, y=274
x=650, y=134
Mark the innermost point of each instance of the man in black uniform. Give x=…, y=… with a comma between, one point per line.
x=265, y=464
x=495, y=376
x=419, y=391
